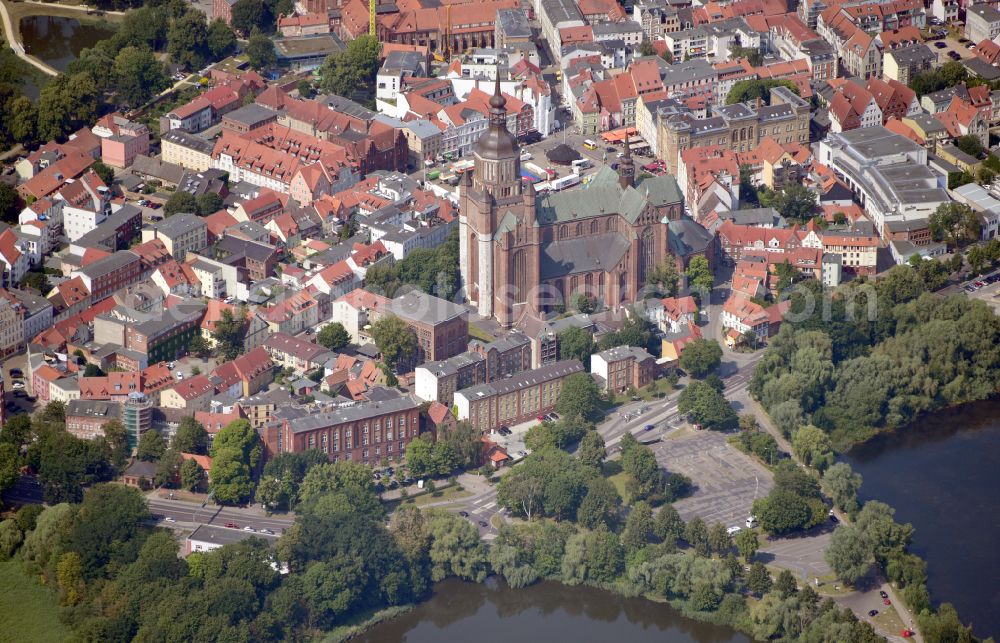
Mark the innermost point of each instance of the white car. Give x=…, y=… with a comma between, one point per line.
x=170, y=519
x=249, y=528
x=732, y=531
x=18, y=386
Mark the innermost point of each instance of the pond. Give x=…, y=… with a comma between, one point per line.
x=460, y=612
x=942, y=474
x=58, y=41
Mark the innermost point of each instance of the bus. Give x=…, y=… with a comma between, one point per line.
x=589, y=144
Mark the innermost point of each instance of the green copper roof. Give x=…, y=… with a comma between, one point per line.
x=604, y=195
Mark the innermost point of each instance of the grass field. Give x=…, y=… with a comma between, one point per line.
x=28, y=611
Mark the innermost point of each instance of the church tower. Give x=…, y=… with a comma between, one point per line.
x=626, y=167
x=494, y=189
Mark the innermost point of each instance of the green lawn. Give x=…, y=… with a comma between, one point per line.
x=662, y=386
x=28, y=611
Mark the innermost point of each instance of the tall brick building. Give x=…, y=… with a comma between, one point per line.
x=523, y=254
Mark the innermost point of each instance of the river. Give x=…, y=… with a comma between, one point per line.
x=58, y=41
x=492, y=612
x=942, y=474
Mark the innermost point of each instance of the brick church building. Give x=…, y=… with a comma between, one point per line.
x=524, y=254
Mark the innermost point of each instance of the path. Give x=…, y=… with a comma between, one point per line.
x=14, y=40
x=858, y=601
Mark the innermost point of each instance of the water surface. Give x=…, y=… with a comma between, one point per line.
x=942, y=474
x=462, y=612
x=58, y=41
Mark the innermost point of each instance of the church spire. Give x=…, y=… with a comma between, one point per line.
x=498, y=110
x=626, y=167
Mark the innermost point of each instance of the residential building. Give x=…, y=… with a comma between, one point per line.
x=297, y=354
x=441, y=327
x=86, y=418
x=982, y=22
x=623, y=367
x=186, y=150
x=515, y=399
x=11, y=327
x=903, y=63
x=210, y=537
x=182, y=233
x=121, y=140
x=115, y=271
x=368, y=432
x=190, y=394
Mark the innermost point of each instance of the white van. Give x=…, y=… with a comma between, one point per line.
x=732, y=531
x=751, y=522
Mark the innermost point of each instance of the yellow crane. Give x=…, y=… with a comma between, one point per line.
x=372, y=31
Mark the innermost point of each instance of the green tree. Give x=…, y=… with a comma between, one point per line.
x=638, y=527
x=754, y=56
x=199, y=346
x=394, y=338
x=117, y=438
x=785, y=584
x=841, y=483
x=455, y=549
x=663, y=278
x=65, y=104
x=782, y=511
x=36, y=280
x=231, y=477
x=221, y=39
x=180, y=201
x=747, y=543
x=230, y=332
x=795, y=202
x=240, y=436
x=22, y=121
x=10, y=203
x=333, y=336
x=704, y=405
x=351, y=70
x=208, y=203
x=646, y=48
x=668, y=526
x=699, y=274
x=106, y=173
x=420, y=457
x=600, y=505
x=11, y=538
x=813, y=446
x=10, y=465
x=719, y=539
x=849, y=554
x=701, y=357
x=592, y=450
x=759, y=579
x=168, y=469
x=187, y=40
x=696, y=535
x=579, y=397
x=971, y=145
x=575, y=343
x=70, y=578
x=191, y=437
x=260, y=51
x=954, y=223
x=251, y=15
x=151, y=446
x=138, y=76
x=745, y=91
x=192, y=475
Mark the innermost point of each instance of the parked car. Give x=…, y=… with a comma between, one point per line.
x=232, y=525
x=249, y=528
x=16, y=372
x=954, y=55
x=464, y=514
x=940, y=45
x=267, y=531
x=873, y=613
x=886, y=601
x=483, y=523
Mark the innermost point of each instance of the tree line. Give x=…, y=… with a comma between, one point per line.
x=851, y=376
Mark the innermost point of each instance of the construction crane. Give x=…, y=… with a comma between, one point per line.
x=372, y=31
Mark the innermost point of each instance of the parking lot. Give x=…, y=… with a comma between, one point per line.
x=985, y=288
x=726, y=481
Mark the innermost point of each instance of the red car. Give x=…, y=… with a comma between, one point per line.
x=886, y=601
x=907, y=633
x=232, y=525
x=541, y=418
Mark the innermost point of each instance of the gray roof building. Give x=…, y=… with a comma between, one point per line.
x=178, y=225
x=523, y=380
x=421, y=307
x=353, y=413
x=190, y=141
